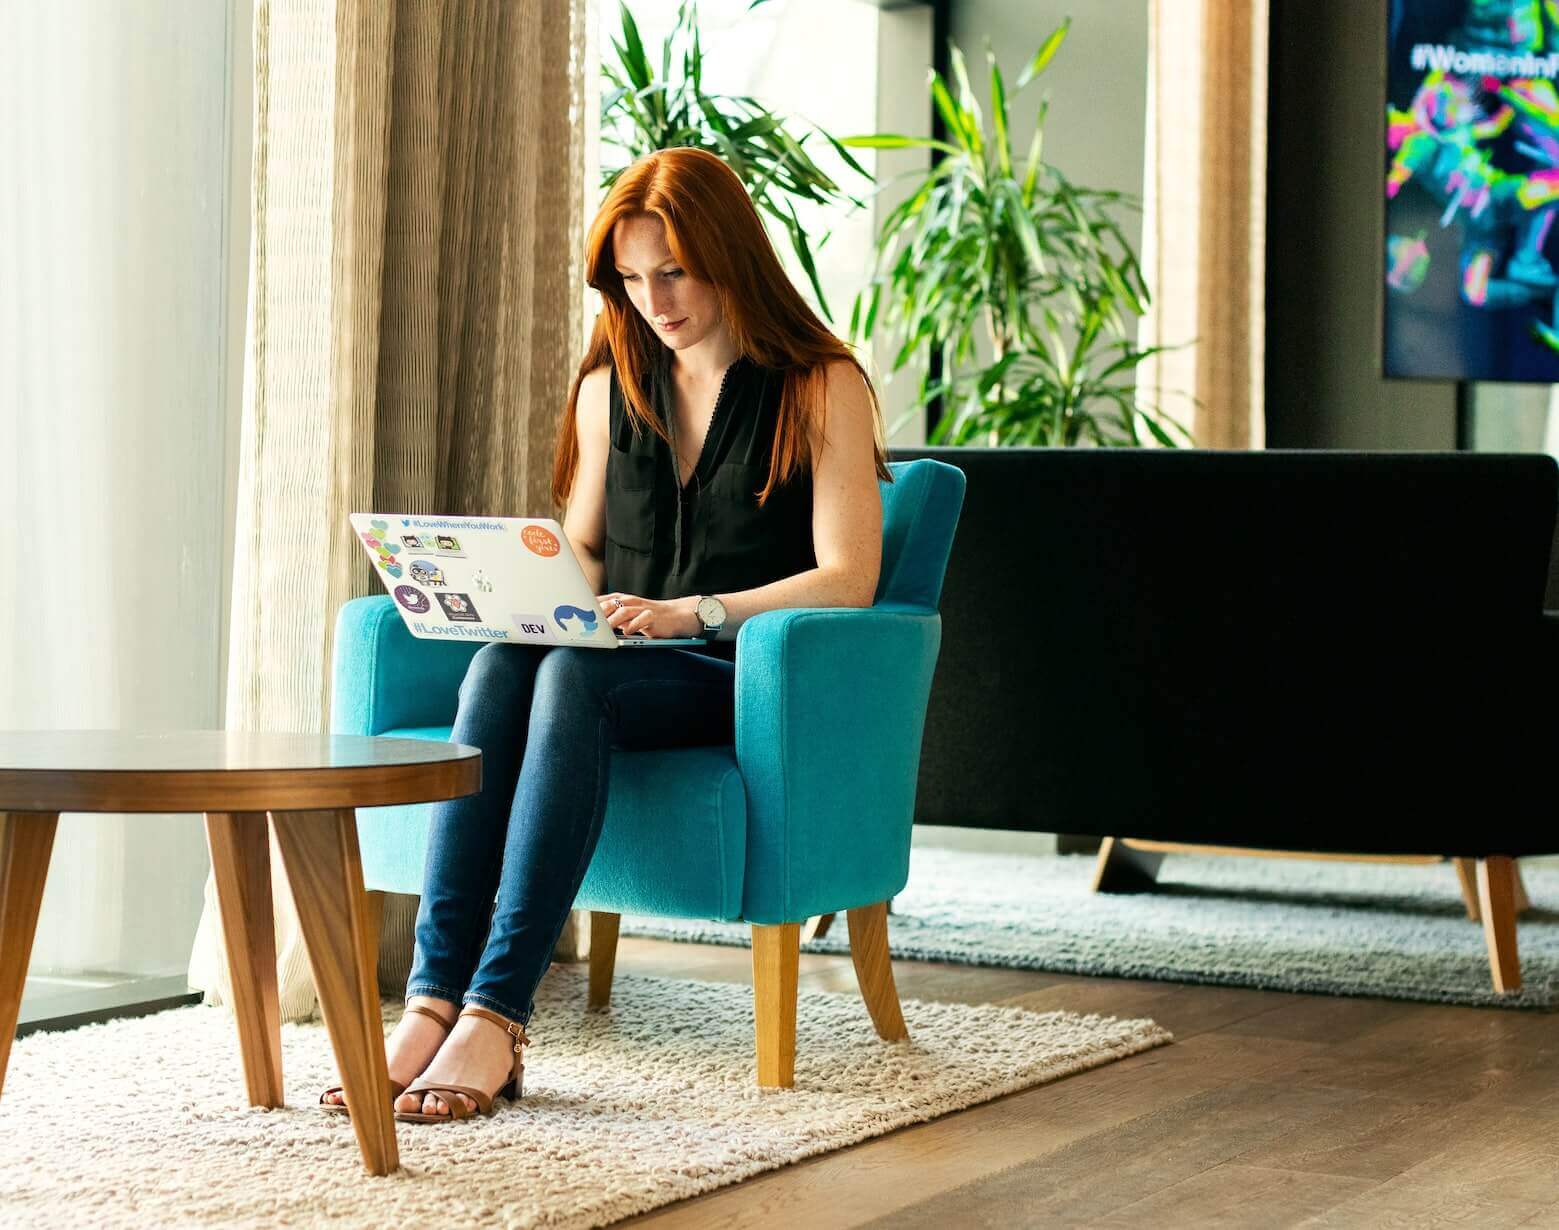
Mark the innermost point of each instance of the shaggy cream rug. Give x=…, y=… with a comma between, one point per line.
x=143, y=1121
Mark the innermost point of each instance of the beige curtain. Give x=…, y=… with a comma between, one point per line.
x=419, y=183
x=1204, y=225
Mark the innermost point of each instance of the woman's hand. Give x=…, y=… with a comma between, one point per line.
x=678, y=617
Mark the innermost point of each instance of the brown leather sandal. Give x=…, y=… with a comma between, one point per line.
x=514, y=1088
x=396, y=1088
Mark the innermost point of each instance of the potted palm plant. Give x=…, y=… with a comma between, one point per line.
x=1010, y=253
x=642, y=111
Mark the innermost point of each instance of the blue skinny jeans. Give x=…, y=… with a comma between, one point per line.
x=503, y=866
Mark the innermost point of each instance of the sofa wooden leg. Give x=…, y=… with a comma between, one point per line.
x=874, y=969
x=1497, y=902
x=776, y=955
x=1124, y=869
x=1467, y=879
x=603, y=956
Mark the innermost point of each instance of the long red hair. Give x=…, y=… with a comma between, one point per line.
x=715, y=234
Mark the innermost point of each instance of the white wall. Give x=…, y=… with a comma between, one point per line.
x=114, y=416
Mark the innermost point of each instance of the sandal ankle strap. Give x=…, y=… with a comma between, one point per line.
x=513, y=1028
x=425, y=1011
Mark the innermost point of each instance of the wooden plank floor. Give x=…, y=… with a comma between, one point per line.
x=1270, y=1109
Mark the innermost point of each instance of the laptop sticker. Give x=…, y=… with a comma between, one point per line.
x=481, y=580
x=459, y=608
x=531, y=627
x=425, y=573
x=385, y=550
x=448, y=544
x=574, y=621
x=414, y=600
x=417, y=544
x=540, y=540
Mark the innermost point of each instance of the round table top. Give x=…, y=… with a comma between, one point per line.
x=226, y=771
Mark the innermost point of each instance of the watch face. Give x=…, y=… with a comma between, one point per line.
x=711, y=611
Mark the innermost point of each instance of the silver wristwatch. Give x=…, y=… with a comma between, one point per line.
x=711, y=614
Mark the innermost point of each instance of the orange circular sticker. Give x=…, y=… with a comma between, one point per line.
x=540, y=540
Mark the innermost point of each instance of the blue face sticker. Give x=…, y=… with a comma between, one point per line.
x=566, y=615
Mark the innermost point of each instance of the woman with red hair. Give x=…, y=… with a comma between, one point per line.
x=719, y=456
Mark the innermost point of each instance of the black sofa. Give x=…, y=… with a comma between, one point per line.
x=1309, y=651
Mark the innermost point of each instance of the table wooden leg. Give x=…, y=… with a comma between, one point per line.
x=241, y=865
x=26, y=840
x=325, y=870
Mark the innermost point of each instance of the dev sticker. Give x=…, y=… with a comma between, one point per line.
x=541, y=541
x=531, y=627
x=413, y=599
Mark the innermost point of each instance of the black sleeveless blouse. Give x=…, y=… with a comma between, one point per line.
x=666, y=541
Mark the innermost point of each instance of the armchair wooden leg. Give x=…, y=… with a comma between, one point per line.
x=26, y=841
x=816, y=927
x=241, y=867
x=1497, y=901
x=325, y=869
x=776, y=956
x=603, y=956
x=874, y=969
x=1124, y=869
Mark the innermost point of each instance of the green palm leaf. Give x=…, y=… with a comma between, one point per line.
x=987, y=257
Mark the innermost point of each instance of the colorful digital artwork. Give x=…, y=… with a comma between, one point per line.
x=1472, y=187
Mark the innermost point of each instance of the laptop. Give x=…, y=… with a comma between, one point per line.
x=491, y=579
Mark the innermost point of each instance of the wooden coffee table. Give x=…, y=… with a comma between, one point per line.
x=309, y=785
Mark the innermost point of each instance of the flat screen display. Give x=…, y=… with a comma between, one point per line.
x=1472, y=188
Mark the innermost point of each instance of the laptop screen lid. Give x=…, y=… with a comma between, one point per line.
x=490, y=579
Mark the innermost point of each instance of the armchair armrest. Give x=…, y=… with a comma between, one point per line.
x=830, y=708
x=384, y=678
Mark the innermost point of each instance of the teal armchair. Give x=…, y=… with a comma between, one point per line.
x=808, y=813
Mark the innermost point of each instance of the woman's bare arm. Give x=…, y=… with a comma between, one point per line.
x=585, y=521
